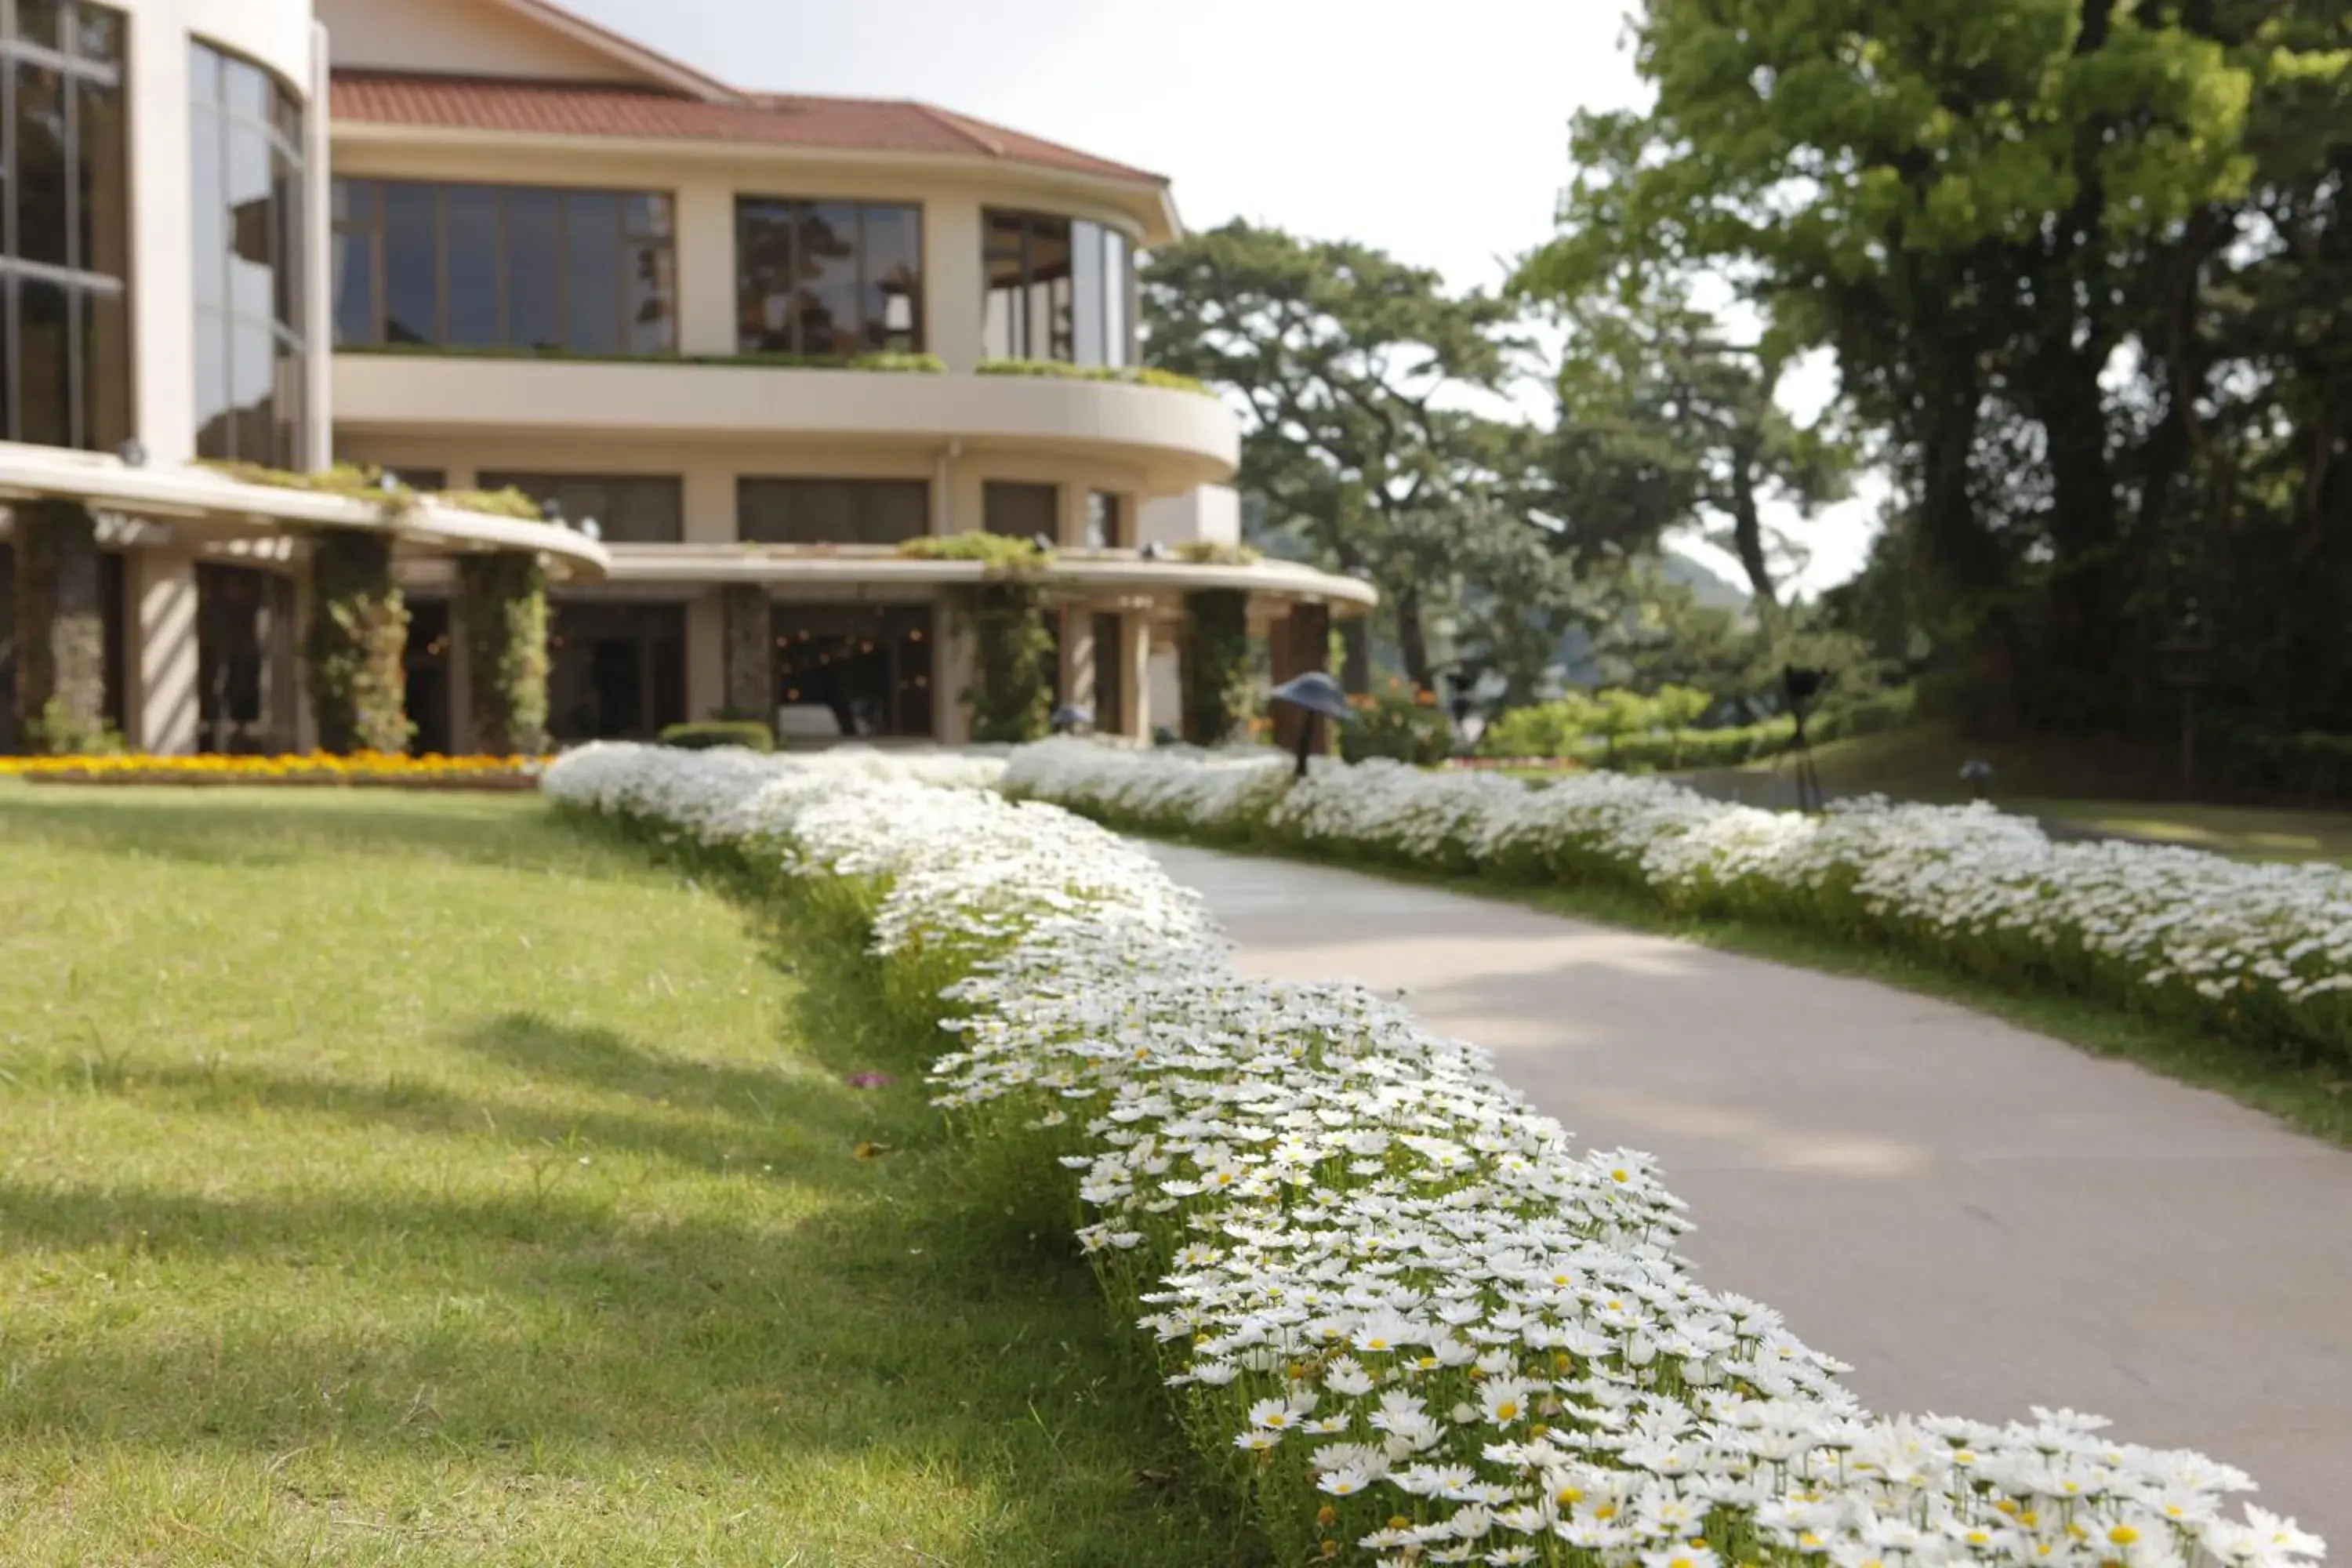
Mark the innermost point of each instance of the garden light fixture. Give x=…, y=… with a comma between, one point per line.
x=1318, y=697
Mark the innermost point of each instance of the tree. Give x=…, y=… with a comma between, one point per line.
x=1354, y=372
x=1669, y=420
x=2074, y=258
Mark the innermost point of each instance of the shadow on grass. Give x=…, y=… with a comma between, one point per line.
x=260, y=827
x=891, y=1315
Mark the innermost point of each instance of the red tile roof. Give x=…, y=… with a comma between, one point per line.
x=762, y=119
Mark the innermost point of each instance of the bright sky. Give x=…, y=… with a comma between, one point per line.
x=1437, y=132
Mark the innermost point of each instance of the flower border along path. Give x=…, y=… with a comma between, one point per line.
x=2261, y=955
x=1411, y=1320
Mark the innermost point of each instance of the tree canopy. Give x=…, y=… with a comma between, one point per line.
x=2083, y=266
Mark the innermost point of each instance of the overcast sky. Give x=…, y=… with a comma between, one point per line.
x=1435, y=131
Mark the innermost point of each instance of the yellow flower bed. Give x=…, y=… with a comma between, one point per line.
x=315, y=767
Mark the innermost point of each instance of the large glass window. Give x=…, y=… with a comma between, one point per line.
x=629, y=508
x=247, y=180
x=63, y=226
x=522, y=268
x=827, y=278
x=831, y=511
x=1058, y=288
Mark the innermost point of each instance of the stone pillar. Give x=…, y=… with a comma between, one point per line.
x=1135, y=672
x=706, y=655
x=1078, y=655
x=60, y=628
x=461, y=673
x=1300, y=642
x=501, y=612
x=748, y=658
x=162, y=659
x=953, y=664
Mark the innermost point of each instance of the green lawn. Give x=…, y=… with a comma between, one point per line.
x=406, y=1178
x=2262, y=833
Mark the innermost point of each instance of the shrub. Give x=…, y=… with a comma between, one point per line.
x=996, y=552
x=59, y=630
x=506, y=503
x=1215, y=552
x=702, y=735
x=1129, y=375
x=1214, y=655
x=502, y=602
x=1010, y=698
x=357, y=637
x=914, y=364
x=1872, y=715
x=1400, y=722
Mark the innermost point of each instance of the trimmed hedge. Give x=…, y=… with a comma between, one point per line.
x=705, y=734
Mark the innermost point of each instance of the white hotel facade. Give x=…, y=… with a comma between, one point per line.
x=759, y=341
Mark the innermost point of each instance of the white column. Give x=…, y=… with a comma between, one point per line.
x=161, y=594
x=952, y=661
x=1135, y=671
x=953, y=282
x=706, y=266
x=1078, y=654
x=318, y=305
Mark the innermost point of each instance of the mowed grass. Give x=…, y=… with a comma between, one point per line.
x=411, y=1179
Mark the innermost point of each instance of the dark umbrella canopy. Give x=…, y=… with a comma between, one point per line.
x=1070, y=716
x=1317, y=693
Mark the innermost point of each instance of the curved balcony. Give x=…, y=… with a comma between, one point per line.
x=1179, y=439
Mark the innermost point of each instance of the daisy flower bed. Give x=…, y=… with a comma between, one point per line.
x=1410, y=1318
x=2259, y=953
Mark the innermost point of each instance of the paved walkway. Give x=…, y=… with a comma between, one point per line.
x=1979, y=1218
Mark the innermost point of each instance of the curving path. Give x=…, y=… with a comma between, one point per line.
x=1979, y=1218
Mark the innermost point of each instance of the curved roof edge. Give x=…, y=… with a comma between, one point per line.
x=1112, y=572
x=191, y=492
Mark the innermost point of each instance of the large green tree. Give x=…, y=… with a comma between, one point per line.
x=2076, y=261
x=1358, y=379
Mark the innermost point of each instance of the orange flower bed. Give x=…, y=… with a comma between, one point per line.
x=374, y=769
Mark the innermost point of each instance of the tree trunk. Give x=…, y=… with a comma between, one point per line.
x=60, y=694
x=1412, y=643
x=1747, y=536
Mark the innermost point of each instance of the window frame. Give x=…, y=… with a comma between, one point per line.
x=284, y=112
x=534, y=481
x=798, y=207
x=864, y=487
x=627, y=237
x=1023, y=330
x=81, y=285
